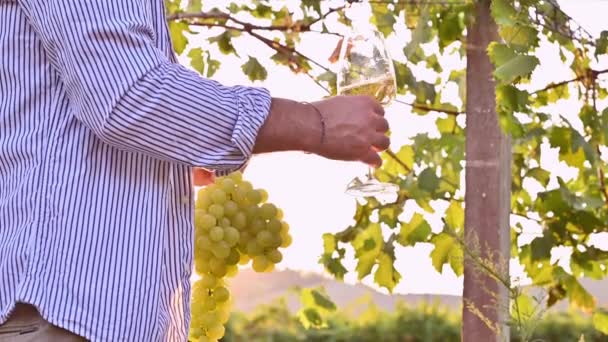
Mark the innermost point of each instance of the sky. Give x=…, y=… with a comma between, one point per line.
x=310, y=189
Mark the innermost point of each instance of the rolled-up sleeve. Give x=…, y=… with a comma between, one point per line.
x=125, y=89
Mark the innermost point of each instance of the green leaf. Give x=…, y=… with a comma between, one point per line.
x=383, y=18
x=522, y=38
x=212, y=66
x=224, y=42
x=313, y=297
x=417, y=230
x=390, y=215
x=541, y=175
x=196, y=60
x=446, y=125
x=600, y=321
x=601, y=44
x=195, y=6
x=450, y=26
x=517, y=67
x=254, y=70
x=406, y=157
x=579, y=297
x=503, y=12
x=329, y=243
x=367, y=245
x=523, y=308
x=454, y=216
x=428, y=180
x=541, y=247
x=311, y=318
x=445, y=246
x=386, y=276
x=178, y=29
x=314, y=4
x=500, y=53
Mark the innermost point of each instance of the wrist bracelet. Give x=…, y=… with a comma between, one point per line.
x=322, y=122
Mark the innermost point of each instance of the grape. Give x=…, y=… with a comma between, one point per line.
x=240, y=198
x=287, y=240
x=225, y=222
x=231, y=236
x=268, y=211
x=284, y=227
x=260, y=264
x=204, y=254
x=244, y=238
x=203, y=242
x=253, y=248
x=219, y=196
x=196, y=333
x=209, y=319
x=217, y=267
x=221, y=250
x=231, y=270
x=274, y=226
x=209, y=304
x=276, y=241
x=245, y=186
x=221, y=294
x=264, y=194
x=274, y=256
x=252, y=212
x=239, y=221
x=257, y=225
x=216, y=234
x=264, y=238
x=228, y=185
x=231, y=208
x=234, y=224
x=254, y=196
x=205, y=221
x=216, y=210
x=216, y=332
x=202, y=267
x=207, y=281
x=233, y=258
x=237, y=177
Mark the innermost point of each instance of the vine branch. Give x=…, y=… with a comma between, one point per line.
x=593, y=74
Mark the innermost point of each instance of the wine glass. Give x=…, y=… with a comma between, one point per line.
x=366, y=68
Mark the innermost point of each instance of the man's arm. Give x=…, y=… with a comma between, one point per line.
x=127, y=92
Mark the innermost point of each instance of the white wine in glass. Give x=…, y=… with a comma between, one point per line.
x=366, y=68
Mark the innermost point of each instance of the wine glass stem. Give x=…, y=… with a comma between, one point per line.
x=370, y=173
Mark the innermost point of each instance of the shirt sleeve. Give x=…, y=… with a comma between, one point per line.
x=127, y=91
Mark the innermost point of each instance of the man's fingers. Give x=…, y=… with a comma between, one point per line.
x=377, y=107
x=381, y=124
x=372, y=159
x=381, y=142
x=202, y=177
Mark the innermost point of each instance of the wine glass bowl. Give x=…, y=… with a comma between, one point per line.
x=366, y=68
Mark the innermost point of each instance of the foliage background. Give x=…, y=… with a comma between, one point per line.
x=565, y=213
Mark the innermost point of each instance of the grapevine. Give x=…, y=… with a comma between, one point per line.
x=234, y=225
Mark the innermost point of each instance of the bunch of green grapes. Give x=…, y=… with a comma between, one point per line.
x=234, y=225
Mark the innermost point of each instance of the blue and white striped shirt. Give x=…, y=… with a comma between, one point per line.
x=99, y=129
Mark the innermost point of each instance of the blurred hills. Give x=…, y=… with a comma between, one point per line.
x=250, y=289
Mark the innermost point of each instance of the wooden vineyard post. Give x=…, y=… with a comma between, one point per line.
x=487, y=197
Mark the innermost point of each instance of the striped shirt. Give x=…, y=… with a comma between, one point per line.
x=99, y=129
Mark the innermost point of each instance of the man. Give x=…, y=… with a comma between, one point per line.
x=100, y=130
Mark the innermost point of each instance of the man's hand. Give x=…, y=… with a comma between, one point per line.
x=201, y=177
x=355, y=129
